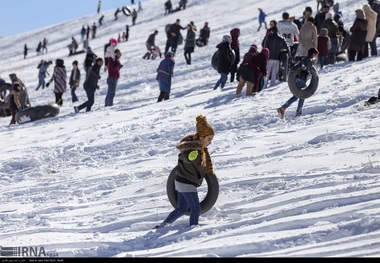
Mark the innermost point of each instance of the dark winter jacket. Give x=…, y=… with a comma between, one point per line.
x=190, y=168
x=174, y=31
x=205, y=33
x=151, y=40
x=235, y=45
x=74, y=78
x=190, y=39
x=164, y=73
x=358, y=35
x=90, y=59
x=14, y=99
x=224, y=57
x=276, y=44
x=92, y=78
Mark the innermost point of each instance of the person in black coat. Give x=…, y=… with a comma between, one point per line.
x=358, y=34
x=90, y=85
x=89, y=59
x=224, y=60
x=173, y=35
x=276, y=44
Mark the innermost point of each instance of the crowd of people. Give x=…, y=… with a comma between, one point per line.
x=286, y=42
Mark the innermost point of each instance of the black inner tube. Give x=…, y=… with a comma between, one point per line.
x=207, y=203
x=313, y=84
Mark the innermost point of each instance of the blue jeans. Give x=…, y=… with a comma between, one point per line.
x=74, y=97
x=112, y=83
x=222, y=81
x=41, y=81
x=300, y=104
x=186, y=201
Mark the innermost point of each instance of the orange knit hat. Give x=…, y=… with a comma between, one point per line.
x=203, y=127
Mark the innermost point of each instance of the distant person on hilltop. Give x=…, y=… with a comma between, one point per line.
x=44, y=45
x=99, y=6
x=25, y=50
x=168, y=7
x=101, y=20
x=116, y=13
x=82, y=33
x=134, y=16
x=140, y=7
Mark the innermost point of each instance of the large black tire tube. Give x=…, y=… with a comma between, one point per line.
x=5, y=90
x=215, y=58
x=310, y=89
x=37, y=113
x=207, y=203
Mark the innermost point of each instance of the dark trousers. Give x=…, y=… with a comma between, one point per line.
x=58, y=98
x=352, y=54
x=13, y=113
x=163, y=96
x=90, y=99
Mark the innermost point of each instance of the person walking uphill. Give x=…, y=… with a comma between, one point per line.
x=301, y=79
x=224, y=61
x=262, y=17
x=194, y=162
x=164, y=75
x=90, y=85
x=59, y=77
x=113, y=67
x=235, y=45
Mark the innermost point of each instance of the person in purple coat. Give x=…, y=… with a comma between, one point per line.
x=164, y=75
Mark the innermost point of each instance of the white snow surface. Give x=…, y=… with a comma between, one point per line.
x=94, y=184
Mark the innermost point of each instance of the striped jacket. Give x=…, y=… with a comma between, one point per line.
x=60, y=78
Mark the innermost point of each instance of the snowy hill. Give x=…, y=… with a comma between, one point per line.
x=94, y=184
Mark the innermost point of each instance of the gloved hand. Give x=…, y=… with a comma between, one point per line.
x=97, y=86
x=47, y=84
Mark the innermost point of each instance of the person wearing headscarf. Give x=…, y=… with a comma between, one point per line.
x=194, y=162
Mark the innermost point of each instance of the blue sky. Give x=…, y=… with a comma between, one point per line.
x=23, y=16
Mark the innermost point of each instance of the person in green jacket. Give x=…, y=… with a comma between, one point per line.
x=189, y=43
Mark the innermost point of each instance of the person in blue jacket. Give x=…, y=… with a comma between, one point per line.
x=164, y=75
x=262, y=16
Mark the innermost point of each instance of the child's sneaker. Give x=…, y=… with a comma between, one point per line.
x=281, y=112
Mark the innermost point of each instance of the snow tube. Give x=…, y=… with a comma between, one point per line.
x=311, y=88
x=199, y=42
x=215, y=57
x=342, y=57
x=126, y=11
x=207, y=203
x=37, y=113
x=5, y=90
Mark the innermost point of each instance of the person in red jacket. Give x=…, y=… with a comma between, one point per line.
x=251, y=69
x=113, y=67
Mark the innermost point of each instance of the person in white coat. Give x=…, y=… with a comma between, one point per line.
x=371, y=17
x=308, y=38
